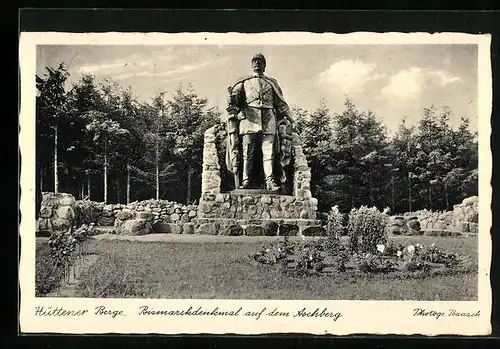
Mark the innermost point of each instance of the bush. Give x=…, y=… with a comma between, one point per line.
x=48, y=274
x=366, y=227
x=336, y=223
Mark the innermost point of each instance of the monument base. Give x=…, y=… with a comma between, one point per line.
x=270, y=227
x=252, y=204
x=242, y=191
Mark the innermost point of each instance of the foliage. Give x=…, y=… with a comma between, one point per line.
x=329, y=254
x=64, y=245
x=48, y=274
x=366, y=228
x=336, y=226
x=301, y=258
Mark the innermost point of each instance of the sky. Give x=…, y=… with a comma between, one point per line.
x=392, y=81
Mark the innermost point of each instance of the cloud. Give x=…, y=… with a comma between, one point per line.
x=157, y=67
x=134, y=64
x=408, y=84
x=349, y=76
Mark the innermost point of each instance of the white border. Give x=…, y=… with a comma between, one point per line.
x=382, y=317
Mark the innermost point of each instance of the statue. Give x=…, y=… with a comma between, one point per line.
x=258, y=116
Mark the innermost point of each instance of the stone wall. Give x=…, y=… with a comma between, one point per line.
x=463, y=219
x=154, y=210
x=466, y=215
x=210, y=178
x=57, y=213
x=257, y=206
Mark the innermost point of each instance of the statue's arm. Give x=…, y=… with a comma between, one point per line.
x=233, y=107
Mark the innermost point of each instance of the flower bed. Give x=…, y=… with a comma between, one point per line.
x=331, y=255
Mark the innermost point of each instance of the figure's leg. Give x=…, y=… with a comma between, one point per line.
x=248, y=143
x=268, y=161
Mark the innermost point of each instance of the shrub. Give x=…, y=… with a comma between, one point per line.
x=48, y=274
x=336, y=223
x=64, y=245
x=366, y=227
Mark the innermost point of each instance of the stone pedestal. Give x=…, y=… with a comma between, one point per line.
x=254, y=207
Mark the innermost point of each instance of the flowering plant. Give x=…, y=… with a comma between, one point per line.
x=65, y=244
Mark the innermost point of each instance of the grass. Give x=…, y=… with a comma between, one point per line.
x=222, y=270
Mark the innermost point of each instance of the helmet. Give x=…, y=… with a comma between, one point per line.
x=259, y=56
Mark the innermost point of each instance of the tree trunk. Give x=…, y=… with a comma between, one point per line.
x=82, y=192
x=128, y=183
x=56, y=176
x=189, y=180
x=430, y=198
x=88, y=185
x=446, y=197
x=392, y=194
x=157, y=169
x=105, y=175
x=117, y=189
x=409, y=192
x=41, y=181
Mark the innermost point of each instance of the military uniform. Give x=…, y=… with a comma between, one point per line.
x=257, y=104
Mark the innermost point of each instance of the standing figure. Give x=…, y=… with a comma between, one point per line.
x=256, y=112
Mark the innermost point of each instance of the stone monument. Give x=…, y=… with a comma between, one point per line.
x=265, y=158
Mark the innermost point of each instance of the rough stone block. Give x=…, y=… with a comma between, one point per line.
x=135, y=227
x=67, y=200
x=314, y=230
x=231, y=230
x=66, y=212
x=188, y=228
x=248, y=200
x=270, y=228
x=43, y=224
x=107, y=213
x=253, y=230
x=105, y=221
x=124, y=214
x=207, y=229
x=161, y=227
x=413, y=224
x=305, y=214
x=45, y=212
x=266, y=200
x=174, y=217
x=288, y=230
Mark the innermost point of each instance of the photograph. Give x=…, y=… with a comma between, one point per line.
x=177, y=170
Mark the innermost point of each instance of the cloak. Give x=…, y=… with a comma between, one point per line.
x=282, y=146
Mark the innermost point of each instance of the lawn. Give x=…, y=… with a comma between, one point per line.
x=222, y=270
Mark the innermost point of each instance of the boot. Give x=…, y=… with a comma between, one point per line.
x=247, y=166
x=271, y=184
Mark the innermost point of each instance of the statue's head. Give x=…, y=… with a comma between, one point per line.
x=259, y=63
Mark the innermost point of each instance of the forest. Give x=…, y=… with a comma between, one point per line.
x=96, y=140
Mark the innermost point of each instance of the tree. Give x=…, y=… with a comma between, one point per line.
x=188, y=119
x=360, y=152
x=51, y=109
x=315, y=131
